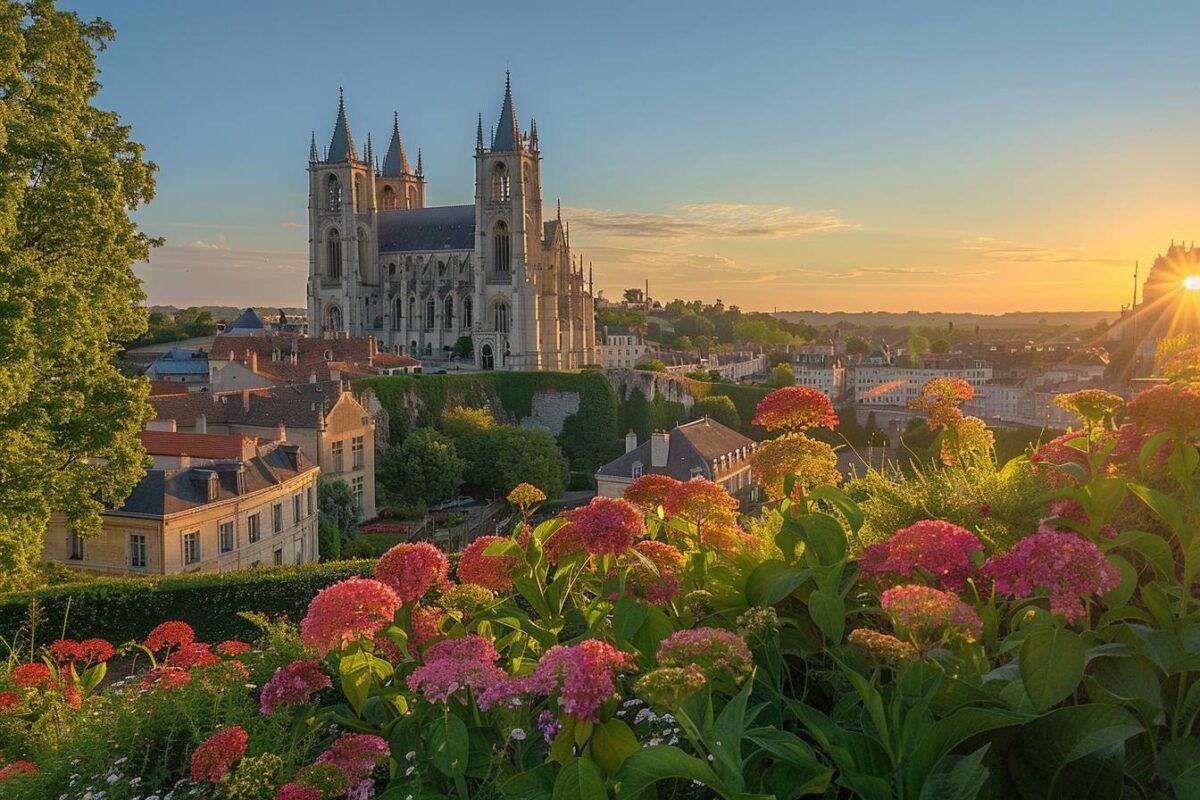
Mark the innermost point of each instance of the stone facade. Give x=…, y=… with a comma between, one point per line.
x=420, y=278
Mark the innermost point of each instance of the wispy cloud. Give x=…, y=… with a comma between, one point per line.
x=1002, y=250
x=707, y=221
x=291, y=226
x=862, y=272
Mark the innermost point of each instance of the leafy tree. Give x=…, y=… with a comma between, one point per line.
x=719, y=408
x=464, y=347
x=778, y=357
x=781, y=376
x=589, y=436
x=857, y=345
x=510, y=454
x=918, y=345
x=632, y=295
x=653, y=365
x=337, y=504
x=684, y=343
x=691, y=324
x=69, y=177
x=329, y=540
x=704, y=344
x=424, y=468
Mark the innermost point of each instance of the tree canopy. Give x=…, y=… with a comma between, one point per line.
x=425, y=468
x=719, y=408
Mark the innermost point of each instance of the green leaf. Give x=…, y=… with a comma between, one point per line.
x=649, y=765
x=1096, y=776
x=356, y=675
x=726, y=740
x=829, y=612
x=1048, y=744
x=1167, y=508
x=842, y=502
x=532, y=784
x=580, y=780
x=449, y=745
x=628, y=617
x=947, y=733
x=772, y=581
x=612, y=743
x=1130, y=681
x=957, y=777
x=1052, y=661
x=1179, y=762
x=824, y=538
x=809, y=775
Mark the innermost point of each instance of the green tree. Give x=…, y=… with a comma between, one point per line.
x=857, y=345
x=719, y=408
x=463, y=347
x=337, y=504
x=510, y=454
x=704, y=344
x=69, y=177
x=684, y=343
x=778, y=357
x=918, y=345
x=424, y=468
x=329, y=540
x=653, y=365
x=782, y=375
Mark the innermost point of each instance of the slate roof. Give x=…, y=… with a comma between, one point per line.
x=171, y=491
x=436, y=228
x=507, y=133
x=341, y=144
x=395, y=163
x=178, y=361
x=248, y=320
x=693, y=444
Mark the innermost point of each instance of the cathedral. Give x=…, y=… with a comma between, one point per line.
x=419, y=278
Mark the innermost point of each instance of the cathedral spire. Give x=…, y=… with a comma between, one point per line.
x=420, y=164
x=395, y=163
x=312, y=149
x=341, y=145
x=533, y=137
x=479, y=134
x=508, y=134
x=370, y=155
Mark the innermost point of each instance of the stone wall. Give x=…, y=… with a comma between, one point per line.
x=550, y=411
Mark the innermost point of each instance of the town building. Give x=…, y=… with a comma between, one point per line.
x=890, y=384
x=420, y=278
x=180, y=365
x=820, y=370
x=247, y=324
x=324, y=419
x=240, y=504
x=620, y=347
x=703, y=448
x=282, y=359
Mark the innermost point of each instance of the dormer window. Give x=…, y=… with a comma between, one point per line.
x=637, y=470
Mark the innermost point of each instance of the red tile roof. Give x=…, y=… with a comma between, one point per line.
x=196, y=445
x=164, y=388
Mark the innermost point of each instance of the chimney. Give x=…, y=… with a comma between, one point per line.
x=660, y=445
x=372, y=349
x=246, y=400
x=630, y=441
x=201, y=424
x=249, y=448
x=185, y=461
x=254, y=361
x=282, y=434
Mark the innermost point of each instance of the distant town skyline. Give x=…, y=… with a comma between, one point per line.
x=877, y=157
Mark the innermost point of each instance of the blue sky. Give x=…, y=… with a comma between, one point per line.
x=939, y=156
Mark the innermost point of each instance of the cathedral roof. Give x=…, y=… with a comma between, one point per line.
x=395, y=163
x=507, y=132
x=341, y=146
x=436, y=228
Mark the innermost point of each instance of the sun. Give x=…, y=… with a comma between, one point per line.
x=1192, y=283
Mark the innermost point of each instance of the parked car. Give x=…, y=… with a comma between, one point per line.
x=458, y=502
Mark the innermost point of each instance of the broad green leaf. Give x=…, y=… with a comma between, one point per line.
x=842, y=502
x=944, y=735
x=810, y=776
x=829, y=612
x=1179, y=762
x=772, y=581
x=628, y=617
x=868, y=787
x=957, y=777
x=649, y=765
x=726, y=739
x=1167, y=508
x=612, y=743
x=532, y=784
x=1048, y=744
x=824, y=538
x=1096, y=776
x=1130, y=680
x=356, y=675
x=449, y=745
x=580, y=780
x=1051, y=661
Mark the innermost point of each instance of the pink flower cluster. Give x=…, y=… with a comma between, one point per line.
x=1067, y=566
x=795, y=408
x=30, y=675
x=413, y=569
x=944, y=550
x=293, y=684
x=454, y=664
x=1173, y=408
x=344, y=612
x=941, y=399
x=492, y=572
x=212, y=759
x=661, y=583
x=16, y=767
x=606, y=525
x=714, y=651
x=356, y=755
x=927, y=613
x=585, y=672
x=648, y=491
x=699, y=499
x=193, y=654
x=85, y=653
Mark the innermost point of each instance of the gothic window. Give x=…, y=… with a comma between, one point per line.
x=397, y=309
x=358, y=201
x=412, y=197
x=502, y=248
x=389, y=197
x=333, y=318
x=429, y=309
x=412, y=309
x=441, y=268
x=468, y=307
x=448, y=316
x=365, y=269
x=333, y=255
x=333, y=193
x=487, y=358
x=391, y=270
x=501, y=188
x=502, y=317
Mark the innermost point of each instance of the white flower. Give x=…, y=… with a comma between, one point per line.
x=518, y=734
x=411, y=755
x=410, y=771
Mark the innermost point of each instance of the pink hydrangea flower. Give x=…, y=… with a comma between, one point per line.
x=795, y=408
x=584, y=674
x=293, y=684
x=926, y=613
x=714, y=651
x=412, y=569
x=291, y=791
x=648, y=491
x=454, y=664
x=347, y=611
x=1173, y=408
x=660, y=584
x=492, y=572
x=212, y=759
x=356, y=755
x=1068, y=567
x=944, y=550
x=607, y=525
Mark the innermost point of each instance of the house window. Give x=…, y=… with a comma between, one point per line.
x=299, y=550
x=76, y=547
x=226, y=531
x=297, y=507
x=137, y=550
x=277, y=518
x=308, y=494
x=637, y=469
x=696, y=472
x=356, y=486
x=277, y=556
x=356, y=452
x=253, y=527
x=339, y=456
x=191, y=547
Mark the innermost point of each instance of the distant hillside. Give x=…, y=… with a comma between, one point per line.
x=230, y=313
x=1016, y=320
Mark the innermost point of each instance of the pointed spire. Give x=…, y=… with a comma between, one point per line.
x=420, y=164
x=370, y=151
x=341, y=145
x=533, y=137
x=395, y=163
x=312, y=149
x=479, y=133
x=508, y=134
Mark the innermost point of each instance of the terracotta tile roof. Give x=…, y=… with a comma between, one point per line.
x=292, y=358
x=300, y=405
x=161, y=388
x=197, y=445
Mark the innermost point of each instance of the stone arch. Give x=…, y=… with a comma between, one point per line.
x=487, y=357
x=333, y=318
x=333, y=192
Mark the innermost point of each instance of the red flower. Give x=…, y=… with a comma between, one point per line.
x=1173, y=408
x=64, y=651
x=192, y=655
x=648, y=491
x=232, y=647
x=426, y=624
x=30, y=675
x=9, y=701
x=607, y=525
x=293, y=684
x=165, y=678
x=795, y=408
x=941, y=399
x=95, y=651
x=942, y=549
x=292, y=791
x=213, y=758
x=660, y=583
x=349, y=610
x=15, y=767
x=413, y=569
x=1068, y=567
x=699, y=499
x=356, y=755
x=492, y=572
x=563, y=543
x=169, y=634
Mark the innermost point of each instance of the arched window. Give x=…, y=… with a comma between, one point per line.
x=333, y=193
x=412, y=197
x=448, y=314
x=501, y=320
x=502, y=248
x=333, y=254
x=358, y=195
x=333, y=322
x=500, y=185
x=366, y=269
x=487, y=358
x=412, y=347
x=467, y=316
x=397, y=309
x=412, y=310
x=429, y=309
x=389, y=197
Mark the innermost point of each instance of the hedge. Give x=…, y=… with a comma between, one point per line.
x=123, y=609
